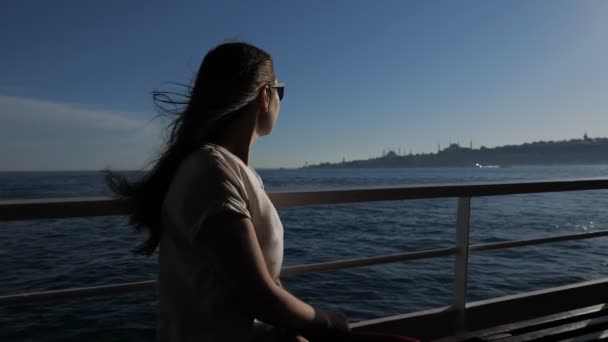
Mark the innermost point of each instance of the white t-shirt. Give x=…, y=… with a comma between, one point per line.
x=194, y=306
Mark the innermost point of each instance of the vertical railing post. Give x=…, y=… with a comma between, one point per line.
x=461, y=262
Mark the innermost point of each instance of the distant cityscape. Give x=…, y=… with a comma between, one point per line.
x=585, y=150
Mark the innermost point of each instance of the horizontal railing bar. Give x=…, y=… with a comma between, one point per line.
x=369, y=261
x=14, y=210
x=150, y=285
x=11, y=210
x=374, y=194
x=539, y=241
x=83, y=292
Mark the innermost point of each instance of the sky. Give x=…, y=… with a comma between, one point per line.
x=361, y=76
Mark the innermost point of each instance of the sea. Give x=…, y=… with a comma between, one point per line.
x=54, y=254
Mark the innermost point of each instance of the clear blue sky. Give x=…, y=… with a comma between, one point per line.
x=362, y=76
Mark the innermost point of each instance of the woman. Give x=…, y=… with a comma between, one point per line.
x=220, y=238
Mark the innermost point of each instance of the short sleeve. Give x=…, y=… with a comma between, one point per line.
x=211, y=187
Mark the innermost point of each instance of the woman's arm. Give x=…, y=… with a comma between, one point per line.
x=234, y=245
x=296, y=338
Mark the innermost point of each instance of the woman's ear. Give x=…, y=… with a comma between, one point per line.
x=264, y=100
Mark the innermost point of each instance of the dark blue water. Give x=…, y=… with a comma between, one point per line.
x=56, y=254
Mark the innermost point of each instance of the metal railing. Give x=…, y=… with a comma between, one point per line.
x=13, y=210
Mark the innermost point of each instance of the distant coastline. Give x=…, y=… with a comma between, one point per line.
x=566, y=152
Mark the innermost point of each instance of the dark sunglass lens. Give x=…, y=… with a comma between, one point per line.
x=280, y=90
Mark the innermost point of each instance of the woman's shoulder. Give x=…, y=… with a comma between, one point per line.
x=203, y=174
x=219, y=159
x=206, y=164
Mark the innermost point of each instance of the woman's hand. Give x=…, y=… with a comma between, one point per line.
x=328, y=326
x=337, y=321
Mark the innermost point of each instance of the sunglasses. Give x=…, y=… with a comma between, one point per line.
x=280, y=87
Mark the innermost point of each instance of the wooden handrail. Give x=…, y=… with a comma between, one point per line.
x=13, y=210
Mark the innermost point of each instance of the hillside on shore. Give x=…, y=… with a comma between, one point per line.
x=566, y=152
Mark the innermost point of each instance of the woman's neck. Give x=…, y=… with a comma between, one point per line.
x=240, y=138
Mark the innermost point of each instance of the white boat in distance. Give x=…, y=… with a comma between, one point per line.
x=487, y=166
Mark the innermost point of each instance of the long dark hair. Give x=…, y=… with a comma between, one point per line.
x=229, y=78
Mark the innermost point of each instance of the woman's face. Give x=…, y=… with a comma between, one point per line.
x=267, y=119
